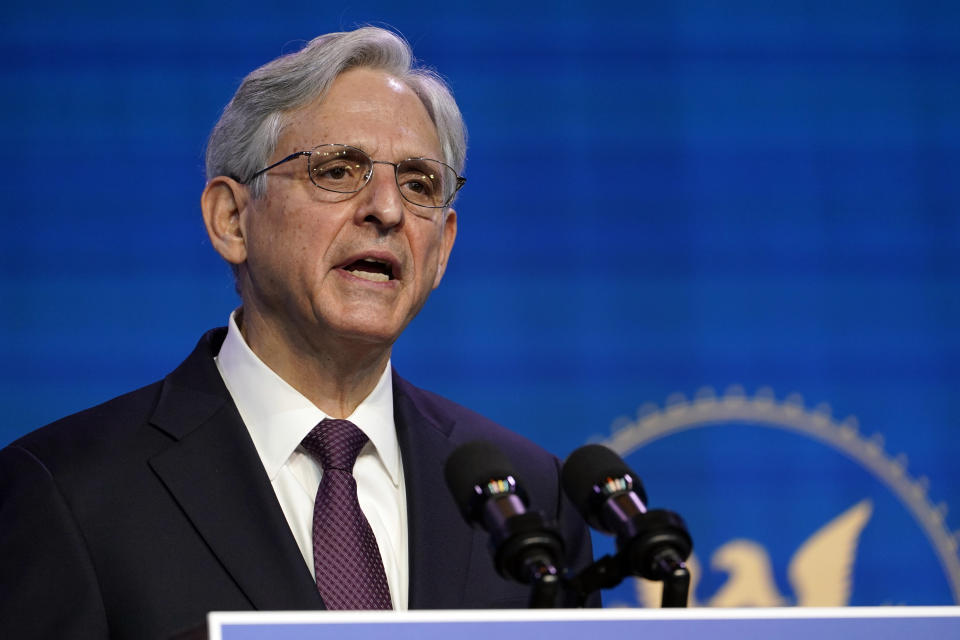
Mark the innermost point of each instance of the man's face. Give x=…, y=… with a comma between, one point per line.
x=309, y=255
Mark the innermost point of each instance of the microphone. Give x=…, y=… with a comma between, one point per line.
x=609, y=495
x=488, y=493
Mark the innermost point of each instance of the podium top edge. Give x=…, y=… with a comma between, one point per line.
x=533, y=615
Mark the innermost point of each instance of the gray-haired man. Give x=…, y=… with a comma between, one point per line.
x=330, y=182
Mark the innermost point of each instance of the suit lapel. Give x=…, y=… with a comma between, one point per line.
x=214, y=473
x=439, y=541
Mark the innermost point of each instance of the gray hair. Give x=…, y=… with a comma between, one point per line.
x=246, y=135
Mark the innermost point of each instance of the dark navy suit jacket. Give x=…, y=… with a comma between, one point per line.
x=135, y=518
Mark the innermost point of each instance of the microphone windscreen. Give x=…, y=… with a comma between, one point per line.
x=475, y=463
x=590, y=466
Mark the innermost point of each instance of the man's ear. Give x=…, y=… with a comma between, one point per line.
x=447, y=235
x=222, y=202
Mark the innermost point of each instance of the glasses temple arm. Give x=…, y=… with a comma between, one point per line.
x=290, y=157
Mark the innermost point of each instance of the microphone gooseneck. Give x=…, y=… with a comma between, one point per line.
x=653, y=544
x=489, y=495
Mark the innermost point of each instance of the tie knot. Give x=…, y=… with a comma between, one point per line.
x=335, y=444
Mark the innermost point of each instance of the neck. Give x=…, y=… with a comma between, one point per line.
x=335, y=375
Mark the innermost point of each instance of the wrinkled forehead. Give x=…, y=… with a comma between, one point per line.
x=368, y=109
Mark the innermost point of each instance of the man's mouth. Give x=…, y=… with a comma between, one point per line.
x=370, y=269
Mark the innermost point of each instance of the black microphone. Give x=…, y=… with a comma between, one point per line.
x=611, y=498
x=489, y=494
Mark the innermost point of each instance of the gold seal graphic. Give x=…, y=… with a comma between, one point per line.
x=840, y=535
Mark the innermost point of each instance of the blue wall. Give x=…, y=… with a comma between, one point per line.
x=662, y=196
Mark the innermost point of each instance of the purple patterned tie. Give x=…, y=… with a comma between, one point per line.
x=345, y=555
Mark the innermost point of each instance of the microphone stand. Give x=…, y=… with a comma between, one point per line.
x=657, y=551
x=545, y=581
x=529, y=551
x=604, y=573
x=676, y=579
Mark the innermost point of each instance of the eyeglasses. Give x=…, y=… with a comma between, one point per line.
x=340, y=168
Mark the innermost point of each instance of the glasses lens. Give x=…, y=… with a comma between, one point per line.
x=339, y=168
x=429, y=183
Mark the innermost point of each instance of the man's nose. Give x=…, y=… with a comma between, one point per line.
x=382, y=202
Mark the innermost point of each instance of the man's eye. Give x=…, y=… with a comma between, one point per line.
x=421, y=184
x=417, y=187
x=337, y=173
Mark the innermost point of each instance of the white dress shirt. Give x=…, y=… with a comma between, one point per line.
x=278, y=417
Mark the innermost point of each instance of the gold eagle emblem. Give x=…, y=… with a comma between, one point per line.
x=820, y=572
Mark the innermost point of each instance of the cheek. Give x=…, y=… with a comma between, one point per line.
x=296, y=224
x=288, y=241
x=429, y=260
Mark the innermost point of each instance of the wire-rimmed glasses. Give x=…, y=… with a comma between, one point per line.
x=340, y=168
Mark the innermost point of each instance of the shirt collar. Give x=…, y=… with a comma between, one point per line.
x=278, y=416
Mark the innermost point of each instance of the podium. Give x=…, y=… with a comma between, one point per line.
x=787, y=623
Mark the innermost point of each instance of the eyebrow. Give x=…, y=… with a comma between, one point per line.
x=366, y=149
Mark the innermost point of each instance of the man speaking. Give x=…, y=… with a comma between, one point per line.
x=284, y=464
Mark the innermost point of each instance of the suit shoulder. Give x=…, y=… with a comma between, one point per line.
x=92, y=429
x=118, y=417
x=468, y=425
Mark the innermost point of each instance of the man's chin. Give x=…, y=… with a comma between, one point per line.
x=374, y=334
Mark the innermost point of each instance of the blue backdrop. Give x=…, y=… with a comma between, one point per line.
x=738, y=200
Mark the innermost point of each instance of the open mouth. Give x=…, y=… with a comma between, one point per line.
x=370, y=269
